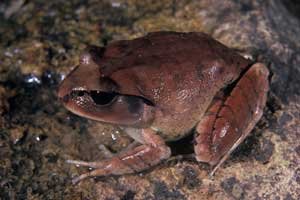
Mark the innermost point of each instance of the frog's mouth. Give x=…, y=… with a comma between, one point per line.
x=111, y=107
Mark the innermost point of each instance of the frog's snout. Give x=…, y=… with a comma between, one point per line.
x=65, y=99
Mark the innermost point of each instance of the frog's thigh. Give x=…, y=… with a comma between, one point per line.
x=132, y=160
x=230, y=119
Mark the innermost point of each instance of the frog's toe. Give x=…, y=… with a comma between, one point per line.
x=94, y=173
x=85, y=164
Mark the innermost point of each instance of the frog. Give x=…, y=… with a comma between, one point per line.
x=162, y=87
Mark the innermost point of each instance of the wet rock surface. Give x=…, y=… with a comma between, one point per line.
x=40, y=43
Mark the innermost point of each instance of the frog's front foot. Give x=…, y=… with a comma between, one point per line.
x=130, y=161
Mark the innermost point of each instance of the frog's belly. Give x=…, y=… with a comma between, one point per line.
x=178, y=125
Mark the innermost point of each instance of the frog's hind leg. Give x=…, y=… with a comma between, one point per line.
x=229, y=120
x=132, y=160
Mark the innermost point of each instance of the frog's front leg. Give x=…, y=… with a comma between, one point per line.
x=229, y=120
x=134, y=160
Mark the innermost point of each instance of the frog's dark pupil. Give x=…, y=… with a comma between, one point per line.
x=80, y=93
x=102, y=98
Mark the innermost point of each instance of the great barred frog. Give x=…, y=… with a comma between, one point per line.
x=161, y=87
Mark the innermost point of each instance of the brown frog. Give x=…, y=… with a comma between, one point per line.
x=161, y=87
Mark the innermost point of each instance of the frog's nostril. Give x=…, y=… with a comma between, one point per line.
x=65, y=99
x=102, y=98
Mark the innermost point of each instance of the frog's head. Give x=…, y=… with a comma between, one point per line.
x=87, y=93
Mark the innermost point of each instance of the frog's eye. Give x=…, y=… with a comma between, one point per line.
x=111, y=107
x=78, y=93
x=98, y=97
x=103, y=98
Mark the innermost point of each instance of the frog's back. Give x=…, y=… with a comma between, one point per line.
x=158, y=48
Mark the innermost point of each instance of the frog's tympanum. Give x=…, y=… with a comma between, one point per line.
x=162, y=87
